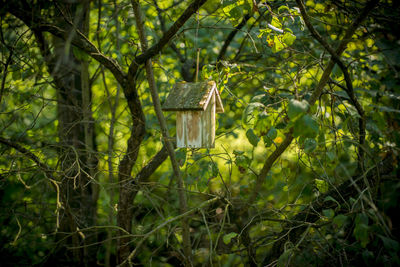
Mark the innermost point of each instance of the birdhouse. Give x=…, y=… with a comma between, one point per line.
x=195, y=105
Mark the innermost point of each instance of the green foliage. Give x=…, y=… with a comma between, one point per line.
x=235, y=10
x=271, y=67
x=361, y=229
x=310, y=145
x=339, y=220
x=297, y=108
x=284, y=259
x=228, y=237
x=252, y=137
x=306, y=127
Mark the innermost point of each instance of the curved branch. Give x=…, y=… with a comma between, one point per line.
x=349, y=85
x=294, y=228
x=169, y=34
x=164, y=130
x=43, y=166
x=181, y=216
x=148, y=170
x=38, y=24
x=230, y=37
x=311, y=101
x=48, y=173
x=81, y=41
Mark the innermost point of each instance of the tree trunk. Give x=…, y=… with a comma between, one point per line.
x=76, y=138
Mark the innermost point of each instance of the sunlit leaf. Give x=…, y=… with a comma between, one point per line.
x=228, y=237
x=252, y=137
x=297, y=108
x=288, y=38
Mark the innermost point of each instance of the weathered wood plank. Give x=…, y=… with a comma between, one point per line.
x=194, y=129
x=180, y=130
x=208, y=119
x=212, y=122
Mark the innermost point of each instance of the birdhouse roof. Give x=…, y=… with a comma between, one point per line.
x=192, y=96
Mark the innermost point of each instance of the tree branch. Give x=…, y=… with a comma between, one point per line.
x=311, y=101
x=48, y=173
x=44, y=167
x=149, y=169
x=294, y=227
x=230, y=37
x=164, y=130
x=179, y=217
x=167, y=36
x=349, y=84
x=37, y=23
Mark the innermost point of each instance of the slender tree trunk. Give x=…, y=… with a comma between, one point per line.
x=76, y=137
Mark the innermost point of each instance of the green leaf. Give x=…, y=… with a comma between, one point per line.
x=236, y=13
x=235, y=10
x=228, y=237
x=272, y=133
x=262, y=123
x=227, y=3
x=321, y=185
x=288, y=38
x=278, y=44
x=252, y=137
x=296, y=108
x=267, y=141
x=361, y=234
x=389, y=243
x=181, y=156
x=336, y=71
x=283, y=260
x=270, y=136
x=310, y=145
x=339, y=220
x=329, y=213
x=331, y=155
x=281, y=9
x=306, y=126
x=251, y=111
x=276, y=23
x=361, y=230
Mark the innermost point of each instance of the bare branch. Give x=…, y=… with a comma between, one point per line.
x=43, y=166
x=179, y=217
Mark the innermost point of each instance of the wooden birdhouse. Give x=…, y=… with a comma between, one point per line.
x=195, y=105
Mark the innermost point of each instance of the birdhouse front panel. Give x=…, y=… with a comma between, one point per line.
x=195, y=105
x=196, y=129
